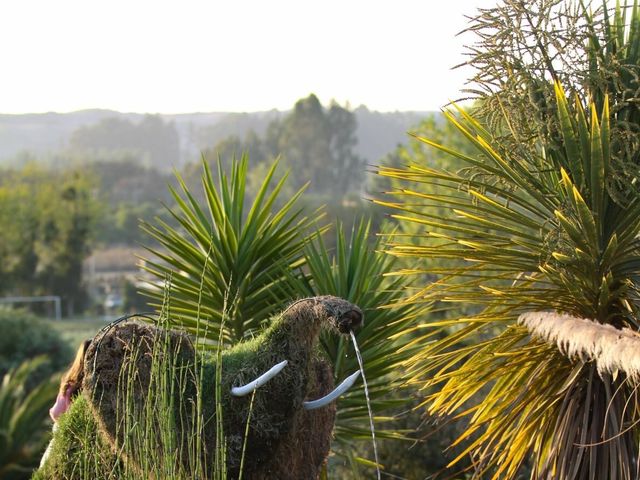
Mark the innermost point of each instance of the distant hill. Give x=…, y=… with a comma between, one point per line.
x=47, y=134
x=379, y=133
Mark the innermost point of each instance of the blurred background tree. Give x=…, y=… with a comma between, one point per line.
x=46, y=221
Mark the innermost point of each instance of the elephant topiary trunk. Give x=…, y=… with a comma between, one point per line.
x=129, y=382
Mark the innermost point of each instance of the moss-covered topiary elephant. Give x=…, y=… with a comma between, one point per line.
x=148, y=404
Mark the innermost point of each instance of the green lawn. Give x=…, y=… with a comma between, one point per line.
x=76, y=330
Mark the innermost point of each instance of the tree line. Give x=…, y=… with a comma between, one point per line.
x=115, y=174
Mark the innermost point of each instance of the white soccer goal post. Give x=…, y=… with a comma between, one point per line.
x=46, y=298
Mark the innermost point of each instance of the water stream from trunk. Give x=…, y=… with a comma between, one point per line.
x=366, y=394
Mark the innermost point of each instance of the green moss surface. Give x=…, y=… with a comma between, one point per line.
x=78, y=451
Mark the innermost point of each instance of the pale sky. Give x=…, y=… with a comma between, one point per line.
x=188, y=56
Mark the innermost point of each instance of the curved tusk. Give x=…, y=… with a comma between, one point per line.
x=330, y=397
x=258, y=382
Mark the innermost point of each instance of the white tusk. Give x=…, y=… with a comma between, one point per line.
x=330, y=397
x=258, y=382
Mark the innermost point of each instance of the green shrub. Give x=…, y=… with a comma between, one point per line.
x=24, y=336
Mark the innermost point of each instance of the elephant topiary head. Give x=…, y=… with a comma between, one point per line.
x=287, y=437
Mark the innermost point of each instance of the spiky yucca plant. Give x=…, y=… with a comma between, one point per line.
x=226, y=257
x=537, y=230
x=23, y=419
x=356, y=271
x=545, y=216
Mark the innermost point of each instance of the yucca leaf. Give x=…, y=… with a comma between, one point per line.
x=597, y=185
x=573, y=152
x=583, y=135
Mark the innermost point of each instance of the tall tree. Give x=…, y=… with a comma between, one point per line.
x=346, y=170
x=46, y=221
x=64, y=241
x=304, y=142
x=316, y=143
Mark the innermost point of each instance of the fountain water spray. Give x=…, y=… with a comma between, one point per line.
x=366, y=394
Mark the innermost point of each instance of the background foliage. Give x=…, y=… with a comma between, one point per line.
x=47, y=220
x=16, y=347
